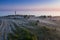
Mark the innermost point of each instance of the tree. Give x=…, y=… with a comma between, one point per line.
x=26, y=16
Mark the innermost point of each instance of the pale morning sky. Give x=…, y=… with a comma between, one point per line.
x=30, y=7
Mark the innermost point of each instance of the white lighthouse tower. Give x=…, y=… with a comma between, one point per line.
x=15, y=12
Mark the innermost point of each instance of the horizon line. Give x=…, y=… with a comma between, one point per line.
x=41, y=9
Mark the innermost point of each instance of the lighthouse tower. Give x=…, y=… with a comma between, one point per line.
x=15, y=12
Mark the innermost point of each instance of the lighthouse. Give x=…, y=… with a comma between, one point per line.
x=15, y=12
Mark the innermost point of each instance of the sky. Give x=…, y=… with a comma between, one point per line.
x=30, y=7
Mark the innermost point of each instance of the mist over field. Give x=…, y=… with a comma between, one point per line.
x=36, y=13
x=29, y=27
